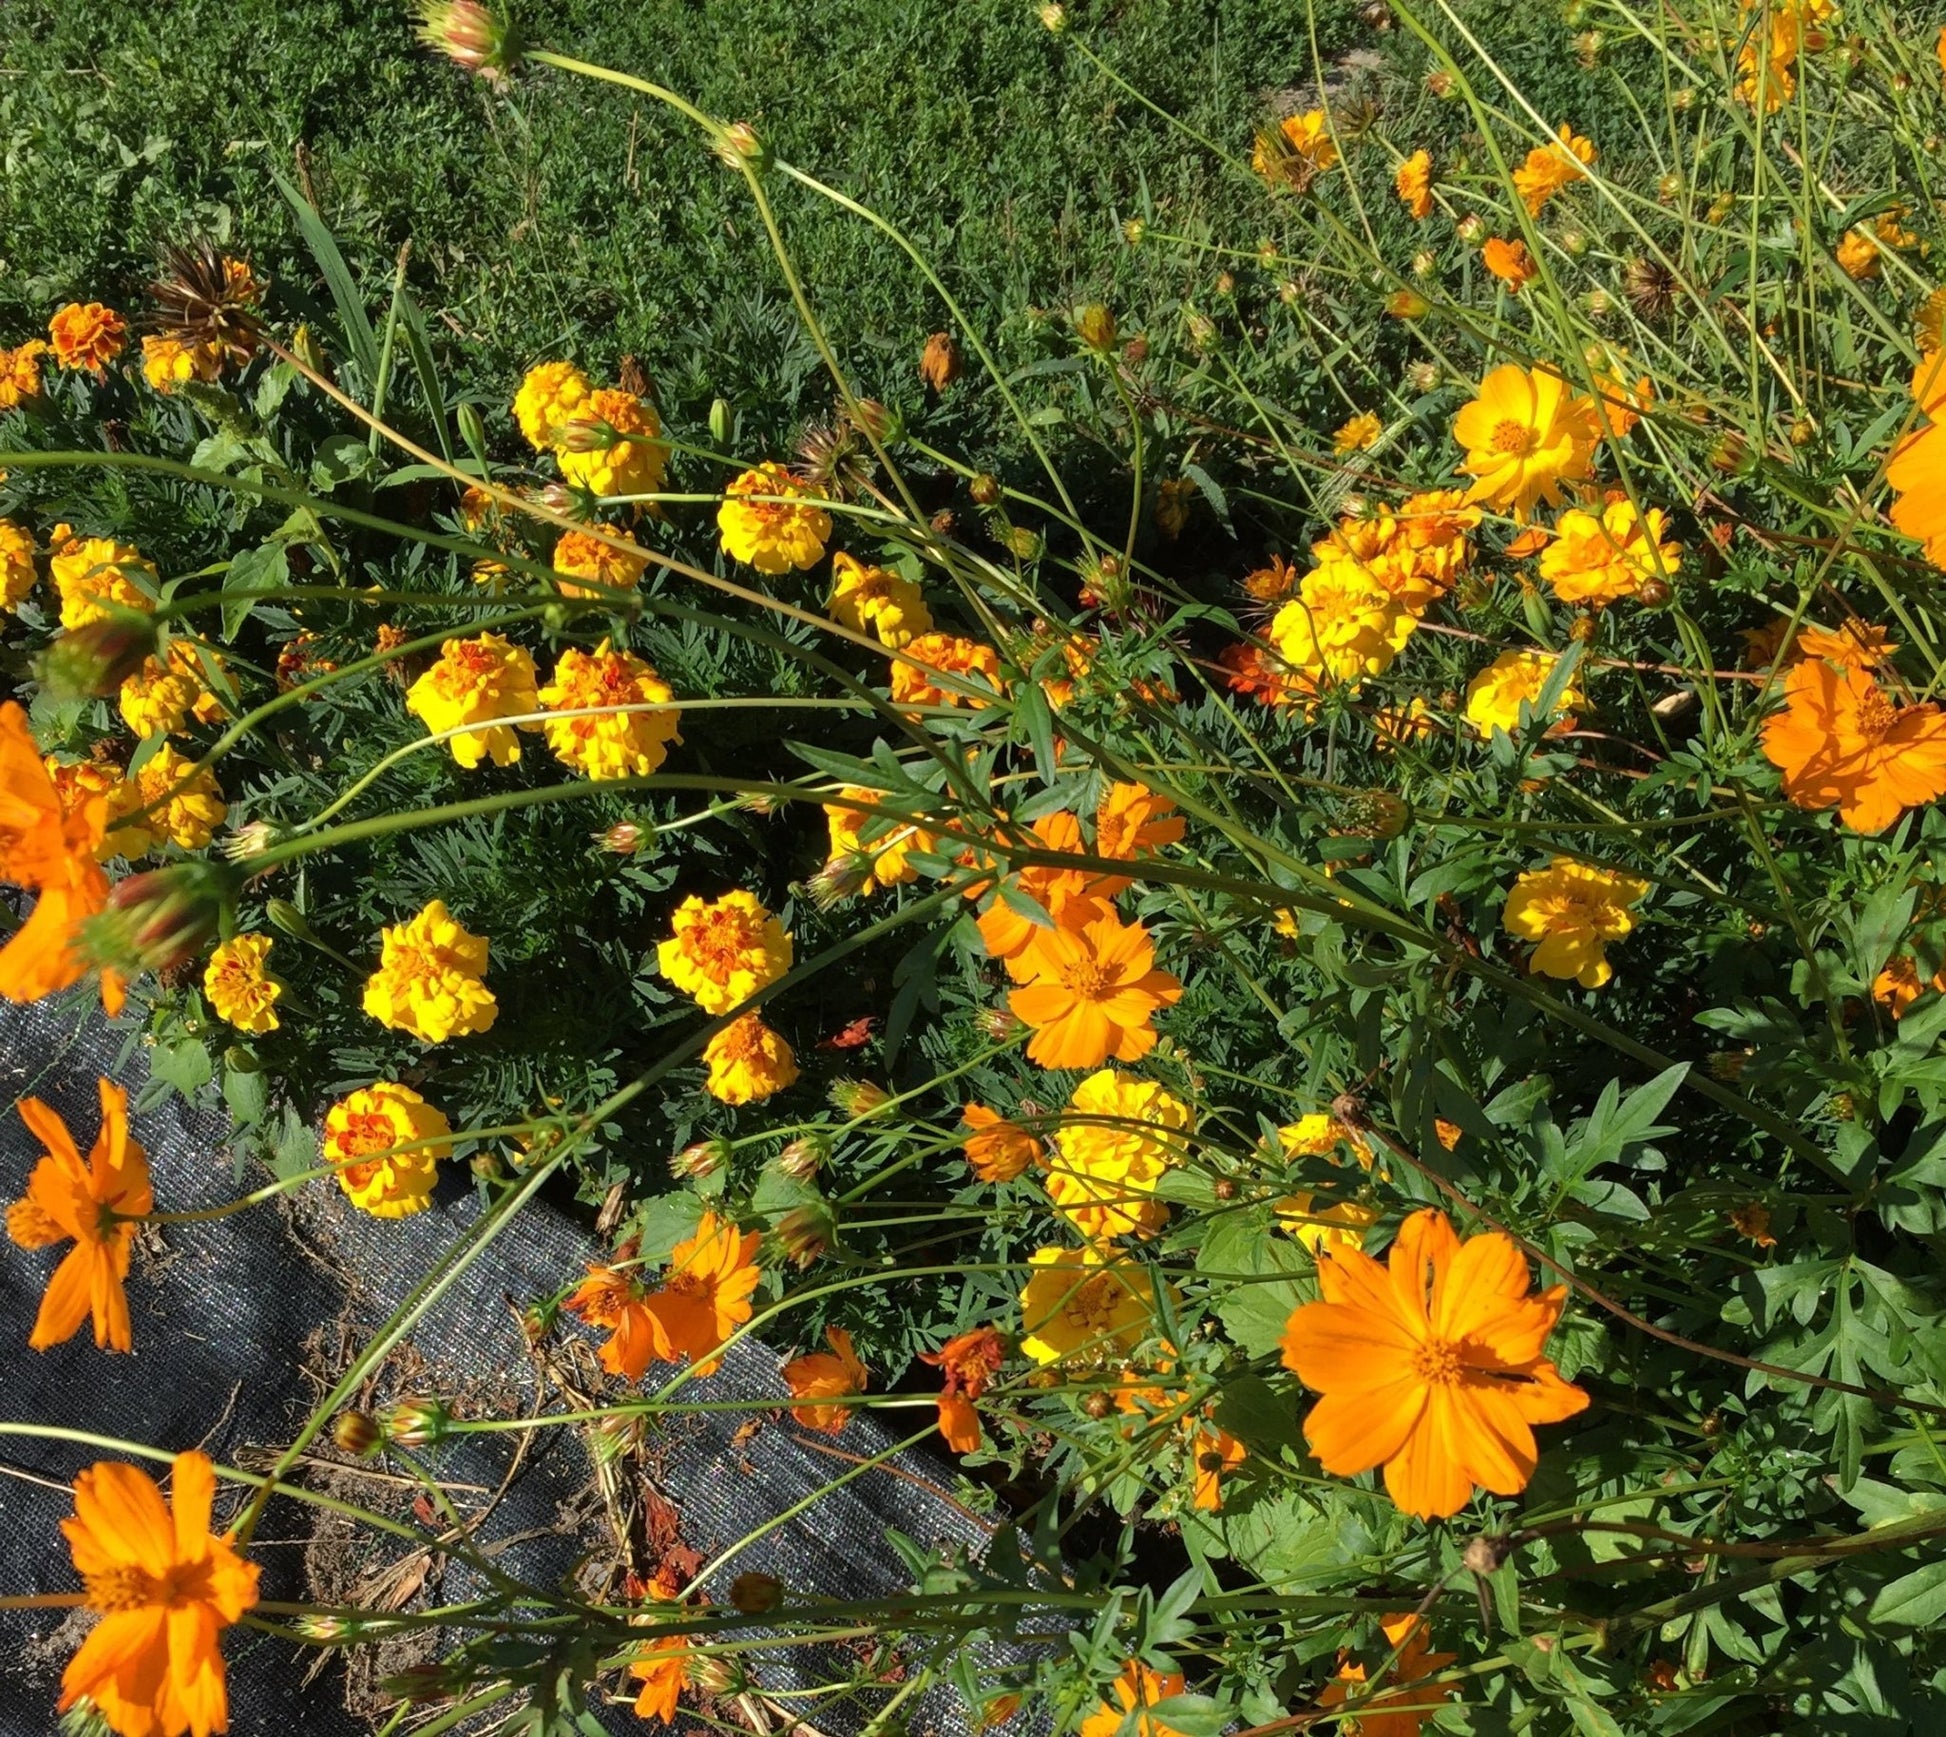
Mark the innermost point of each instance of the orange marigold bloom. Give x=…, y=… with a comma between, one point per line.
x=1510, y=262
x=748, y=1062
x=1549, y=168
x=1431, y=1366
x=997, y=1149
x=1090, y=992
x=773, y=520
x=1297, y=152
x=662, y=1668
x=92, y=1203
x=1391, y=1709
x=20, y=373
x=969, y=1363
x=1840, y=741
x=949, y=655
x=86, y=335
x=166, y=1587
x=833, y=1374
x=1899, y=985
x=1357, y=433
x=705, y=1294
x=49, y=848
x=610, y=445
x=1132, y=821
x=1137, y=1686
x=1752, y=1222
x=724, y=950
x=168, y=363
x=585, y=555
x=1413, y=184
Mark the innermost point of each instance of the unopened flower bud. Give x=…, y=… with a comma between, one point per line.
x=421, y=1682
x=249, y=841
x=1224, y=1188
x=1442, y=84
x=1022, y=544
x=324, y=1630
x=1095, y=326
x=1669, y=188
x=877, y=421
x=723, y=1678
x=356, y=1432
x=939, y=362
x=1133, y=231
x=1098, y=1405
x=306, y=348
x=1576, y=242
x=95, y=660
x=1054, y=18
x=999, y=1024
x=1600, y=304
x=159, y=919
x=1471, y=228
x=472, y=35
x=739, y=145
x=472, y=429
x=721, y=421
x=1226, y=283
x=756, y=1594
x=624, y=838
x=416, y=1423
x=1425, y=263
x=858, y=1098
x=984, y=487
x=1407, y=304
x=1653, y=593
x=843, y=877
x=486, y=1166
x=702, y=1159
x=804, y=1233
x=1423, y=376
x=1376, y=814
x=803, y=1158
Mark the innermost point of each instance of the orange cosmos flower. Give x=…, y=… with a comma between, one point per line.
x=705, y=1294
x=1006, y=929
x=1391, y=1709
x=1132, y=821
x=613, y=1298
x=833, y=1374
x=1917, y=468
x=91, y=1203
x=969, y=1363
x=662, y=1668
x=1137, y=1686
x=1432, y=1368
x=86, y=335
x=1524, y=436
x=1213, y=1452
x=998, y=1150
x=1090, y=993
x=1549, y=168
x=1510, y=262
x=49, y=849
x=1840, y=741
x=1413, y=184
x=166, y=1588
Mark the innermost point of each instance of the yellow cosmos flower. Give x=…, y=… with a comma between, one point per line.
x=428, y=978
x=474, y=682
x=610, y=447
x=1118, y=1138
x=1510, y=262
x=1515, y=678
x=1600, y=559
x=1319, y=1135
x=168, y=363
x=549, y=397
x=1572, y=910
x=1297, y=152
x=878, y=601
x=239, y=985
x=1858, y=255
x=16, y=564
x=605, y=742
x=20, y=373
x=359, y=1134
x=1340, y=627
x=747, y=1062
x=776, y=534
x=724, y=950
x=161, y=696
x=1524, y=436
x=97, y=575
x=1084, y=1305
x=86, y=335
x=581, y=556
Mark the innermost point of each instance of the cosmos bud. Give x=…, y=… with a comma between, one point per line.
x=356, y=1432
x=416, y=1423
x=155, y=920
x=95, y=660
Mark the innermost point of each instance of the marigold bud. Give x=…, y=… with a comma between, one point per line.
x=1576, y=242
x=415, y=1423
x=716, y=1675
x=1022, y=544
x=876, y=421
x=1470, y=228
x=1654, y=593
x=721, y=421
x=1600, y=304
x=939, y=362
x=1224, y=1188
x=756, y=1594
x=1442, y=84
x=251, y=841
x=472, y=429
x=356, y=1432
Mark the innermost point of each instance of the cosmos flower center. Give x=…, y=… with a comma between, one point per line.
x=1086, y=978
x=1876, y=715
x=1515, y=439
x=127, y=1587
x=1437, y=1362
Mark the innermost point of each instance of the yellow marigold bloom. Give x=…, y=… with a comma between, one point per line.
x=1271, y=584
x=165, y=1588
x=1137, y=1686
x=239, y=985
x=1084, y=1305
x=1601, y=559
x=16, y=564
x=581, y=556
x=168, y=363
x=882, y=861
x=1319, y=1135
x=1357, y=434
x=998, y=1150
x=1858, y=255
x=1297, y=152
x=96, y=575
x=773, y=535
x=474, y=682
x=1515, y=678
x=635, y=461
x=189, y=808
x=428, y=978
x=1341, y=627
x=1572, y=910
x=1118, y=1138
x=86, y=335
x=1510, y=262
x=20, y=373
x=724, y=950
x=748, y=1062
x=1324, y=1226
x=1413, y=184
x=878, y=601
x=79, y=782
x=947, y=654
x=161, y=696
x=609, y=743
x=834, y=1374
x=1549, y=168
x=1524, y=436
x=359, y=1134
x=550, y=396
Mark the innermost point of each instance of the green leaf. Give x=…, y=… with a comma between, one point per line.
x=250, y=575
x=1915, y=1600
x=182, y=1063
x=360, y=339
